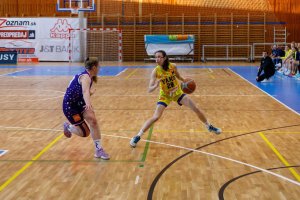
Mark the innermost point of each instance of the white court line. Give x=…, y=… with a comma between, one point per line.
x=278, y=76
x=137, y=178
x=179, y=147
x=33, y=90
x=22, y=101
x=146, y=95
x=121, y=72
x=35, y=78
x=196, y=95
x=107, y=95
x=15, y=72
x=32, y=100
x=35, y=129
x=3, y=152
x=103, y=78
x=266, y=93
x=26, y=95
x=137, y=95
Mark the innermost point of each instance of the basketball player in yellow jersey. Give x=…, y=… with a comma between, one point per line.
x=166, y=76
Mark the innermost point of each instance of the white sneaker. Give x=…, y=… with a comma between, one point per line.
x=287, y=72
x=265, y=81
x=280, y=71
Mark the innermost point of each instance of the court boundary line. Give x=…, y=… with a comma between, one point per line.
x=214, y=155
x=3, y=152
x=34, y=89
x=131, y=73
x=147, y=95
x=157, y=131
x=144, y=155
x=79, y=161
x=14, y=71
x=121, y=72
x=32, y=100
x=266, y=93
x=195, y=95
x=281, y=158
x=28, y=164
x=225, y=185
x=150, y=141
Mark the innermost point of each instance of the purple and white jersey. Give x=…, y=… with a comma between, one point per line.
x=74, y=93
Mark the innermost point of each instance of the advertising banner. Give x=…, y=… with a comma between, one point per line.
x=8, y=57
x=45, y=39
x=172, y=44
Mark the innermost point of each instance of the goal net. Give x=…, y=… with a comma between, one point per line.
x=106, y=44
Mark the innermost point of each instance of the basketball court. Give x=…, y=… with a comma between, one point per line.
x=256, y=156
x=257, y=150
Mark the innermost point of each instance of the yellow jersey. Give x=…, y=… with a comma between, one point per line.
x=169, y=85
x=287, y=53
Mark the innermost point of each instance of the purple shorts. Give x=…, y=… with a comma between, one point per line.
x=74, y=111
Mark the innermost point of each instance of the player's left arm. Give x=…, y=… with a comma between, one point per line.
x=92, y=90
x=178, y=76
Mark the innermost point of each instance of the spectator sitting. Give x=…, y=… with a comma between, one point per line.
x=296, y=64
x=267, y=66
x=287, y=53
x=276, y=56
x=291, y=69
x=281, y=51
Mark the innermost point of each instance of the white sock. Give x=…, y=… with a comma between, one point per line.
x=140, y=133
x=74, y=129
x=97, y=144
x=207, y=124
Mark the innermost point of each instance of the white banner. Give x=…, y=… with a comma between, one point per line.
x=172, y=44
x=45, y=38
x=171, y=49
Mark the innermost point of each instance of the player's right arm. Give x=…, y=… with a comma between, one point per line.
x=178, y=75
x=154, y=82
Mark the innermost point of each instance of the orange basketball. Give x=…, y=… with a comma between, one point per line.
x=188, y=86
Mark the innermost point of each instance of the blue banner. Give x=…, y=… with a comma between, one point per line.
x=169, y=39
x=8, y=57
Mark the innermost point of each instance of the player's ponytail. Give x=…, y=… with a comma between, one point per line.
x=89, y=63
x=166, y=62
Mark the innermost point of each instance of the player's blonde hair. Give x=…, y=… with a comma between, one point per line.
x=90, y=62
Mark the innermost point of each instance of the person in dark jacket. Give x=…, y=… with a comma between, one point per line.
x=267, y=67
x=275, y=55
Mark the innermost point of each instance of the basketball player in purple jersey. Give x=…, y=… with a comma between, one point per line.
x=78, y=109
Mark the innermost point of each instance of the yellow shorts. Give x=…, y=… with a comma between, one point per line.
x=166, y=100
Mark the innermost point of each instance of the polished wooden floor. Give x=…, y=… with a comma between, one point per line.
x=251, y=159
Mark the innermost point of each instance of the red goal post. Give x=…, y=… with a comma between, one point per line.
x=104, y=43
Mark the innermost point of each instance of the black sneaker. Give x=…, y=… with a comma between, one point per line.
x=134, y=141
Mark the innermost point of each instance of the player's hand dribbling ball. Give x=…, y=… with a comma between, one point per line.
x=188, y=86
